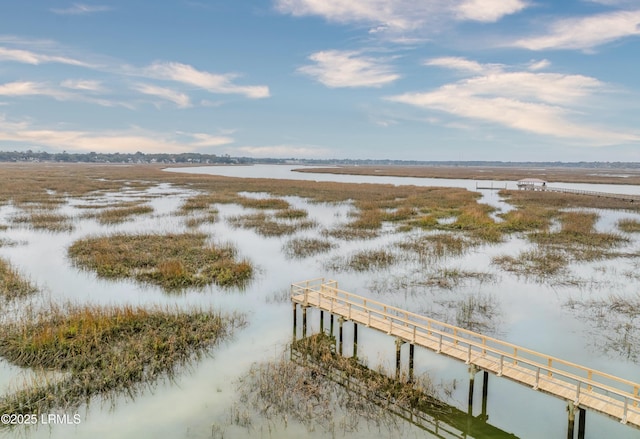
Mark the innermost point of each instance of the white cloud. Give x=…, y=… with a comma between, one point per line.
x=81, y=9
x=204, y=139
x=541, y=103
x=585, y=32
x=281, y=151
x=534, y=66
x=397, y=16
x=28, y=88
x=30, y=57
x=180, y=99
x=488, y=10
x=463, y=65
x=212, y=82
x=335, y=68
x=106, y=141
x=83, y=85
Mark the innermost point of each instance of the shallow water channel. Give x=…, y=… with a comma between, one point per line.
x=202, y=401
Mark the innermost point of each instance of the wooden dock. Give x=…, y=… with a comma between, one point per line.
x=580, y=386
x=632, y=198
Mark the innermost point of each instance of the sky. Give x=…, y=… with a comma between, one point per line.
x=511, y=80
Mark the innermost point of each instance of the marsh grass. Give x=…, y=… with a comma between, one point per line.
x=172, y=261
x=438, y=246
x=539, y=263
x=105, y=350
x=323, y=390
x=265, y=224
x=349, y=234
x=263, y=203
x=616, y=321
x=450, y=277
x=526, y=219
x=629, y=225
x=122, y=214
x=12, y=284
x=43, y=220
x=365, y=260
x=197, y=202
x=579, y=238
x=291, y=214
x=194, y=221
x=477, y=313
x=305, y=247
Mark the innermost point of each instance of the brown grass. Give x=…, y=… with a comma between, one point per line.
x=12, y=284
x=122, y=214
x=172, y=261
x=579, y=238
x=43, y=220
x=266, y=225
x=629, y=225
x=105, y=350
x=540, y=264
x=305, y=247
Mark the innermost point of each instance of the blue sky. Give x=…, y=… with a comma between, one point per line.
x=512, y=80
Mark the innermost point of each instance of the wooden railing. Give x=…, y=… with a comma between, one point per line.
x=425, y=331
x=627, y=197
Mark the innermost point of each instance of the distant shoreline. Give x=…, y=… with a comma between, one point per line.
x=502, y=173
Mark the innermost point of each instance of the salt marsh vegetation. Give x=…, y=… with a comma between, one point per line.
x=268, y=226
x=104, y=351
x=173, y=261
x=629, y=225
x=441, y=252
x=12, y=283
x=305, y=247
x=44, y=220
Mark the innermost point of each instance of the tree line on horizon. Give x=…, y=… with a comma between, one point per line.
x=199, y=158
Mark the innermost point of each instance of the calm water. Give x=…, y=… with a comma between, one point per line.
x=524, y=312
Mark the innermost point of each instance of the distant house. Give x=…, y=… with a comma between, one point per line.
x=532, y=184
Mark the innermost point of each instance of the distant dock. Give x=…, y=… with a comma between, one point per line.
x=492, y=187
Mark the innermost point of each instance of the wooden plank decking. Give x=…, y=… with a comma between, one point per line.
x=633, y=198
x=587, y=388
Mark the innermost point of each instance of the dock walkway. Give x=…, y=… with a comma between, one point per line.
x=581, y=386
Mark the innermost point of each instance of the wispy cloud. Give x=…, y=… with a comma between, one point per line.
x=28, y=88
x=39, y=52
x=585, y=32
x=541, y=103
x=83, y=85
x=282, y=151
x=31, y=88
x=180, y=99
x=212, y=82
x=34, y=58
x=107, y=141
x=464, y=65
x=401, y=16
x=81, y=9
x=335, y=68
